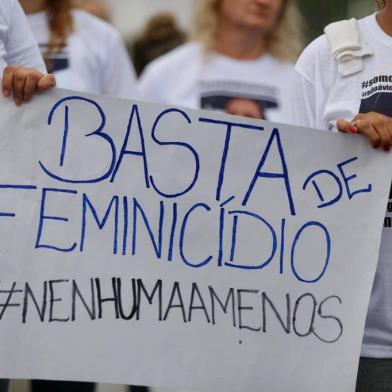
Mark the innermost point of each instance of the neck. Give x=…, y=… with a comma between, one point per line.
x=32, y=6
x=384, y=18
x=239, y=43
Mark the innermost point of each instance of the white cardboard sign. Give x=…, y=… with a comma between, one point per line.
x=160, y=246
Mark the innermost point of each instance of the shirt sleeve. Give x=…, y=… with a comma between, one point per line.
x=311, y=83
x=302, y=105
x=20, y=45
x=119, y=78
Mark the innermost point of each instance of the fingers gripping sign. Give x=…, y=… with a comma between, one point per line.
x=376, y=127
x=22, y=83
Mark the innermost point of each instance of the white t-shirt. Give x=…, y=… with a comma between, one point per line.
x=94, y=59
x=319, y=97
x=17, y=45
x=191, y=77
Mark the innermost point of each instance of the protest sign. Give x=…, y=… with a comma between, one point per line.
x=161, y=246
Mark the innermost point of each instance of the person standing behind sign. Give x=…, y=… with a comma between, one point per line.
x=240, y=61
x=23, y=71
x=343, y=82
x=84, y=52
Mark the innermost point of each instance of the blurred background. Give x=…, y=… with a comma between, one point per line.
x=130, y=16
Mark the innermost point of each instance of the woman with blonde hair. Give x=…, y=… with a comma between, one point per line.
x=343, y=82
x=84, y=52
x=239, y=61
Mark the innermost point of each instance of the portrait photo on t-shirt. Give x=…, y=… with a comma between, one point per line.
x=238, y=98
x=377, y=97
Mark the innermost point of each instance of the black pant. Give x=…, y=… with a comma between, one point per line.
x=67, y=386
x=374, y=375
x=4, y=385
x=61, y=386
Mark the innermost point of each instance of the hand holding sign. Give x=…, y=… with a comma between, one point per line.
x=21, y=83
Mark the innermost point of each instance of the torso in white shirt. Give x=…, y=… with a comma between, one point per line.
x=93, y=60
x=192, y=77
x=330, y=96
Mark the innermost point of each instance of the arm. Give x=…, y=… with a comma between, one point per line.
x=308, y=102
x=29, y=75
x=20, y=45
x=376, y=127
x=302, y=102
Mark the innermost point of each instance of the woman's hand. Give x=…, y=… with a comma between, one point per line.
x=375, y=126
x=21, y=83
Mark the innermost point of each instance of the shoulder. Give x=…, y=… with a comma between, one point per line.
x=174, y=70
x=92, y=26
x=315, y=59
x=364, y=23
x=368, y=26
x=176, y=58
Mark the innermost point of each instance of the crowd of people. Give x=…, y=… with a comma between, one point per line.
x=243, y=58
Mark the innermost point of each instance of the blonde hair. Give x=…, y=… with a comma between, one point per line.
x=381, y=4
x=285, y=42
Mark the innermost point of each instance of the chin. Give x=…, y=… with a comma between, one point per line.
x=259, y=28
x=260, y=24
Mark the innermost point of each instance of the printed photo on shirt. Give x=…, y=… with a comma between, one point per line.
x=377, y=97
x=238, y=98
